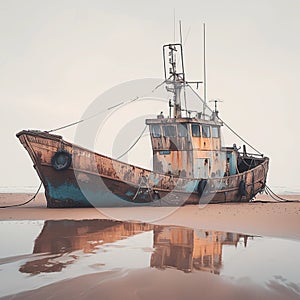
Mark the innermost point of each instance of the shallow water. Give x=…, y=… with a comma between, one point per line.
x=36, y=253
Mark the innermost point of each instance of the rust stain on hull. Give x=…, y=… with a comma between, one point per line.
x=96, y=180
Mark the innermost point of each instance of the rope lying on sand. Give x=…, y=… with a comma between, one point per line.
x=31, y=199
x=274, y=196
x=268, y=191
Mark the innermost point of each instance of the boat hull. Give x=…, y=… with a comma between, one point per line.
x=93, y=179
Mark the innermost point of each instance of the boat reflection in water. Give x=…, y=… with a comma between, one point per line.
x=61, y=243
x=191, y=249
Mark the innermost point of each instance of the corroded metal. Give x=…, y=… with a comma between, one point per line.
x=189, y=163
x=180, y=150
x=109, y=182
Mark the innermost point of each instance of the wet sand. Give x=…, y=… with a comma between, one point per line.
x=265, y=219
x=268, y=219
x=155, y=284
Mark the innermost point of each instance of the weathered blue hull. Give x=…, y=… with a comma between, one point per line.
x=76, y=177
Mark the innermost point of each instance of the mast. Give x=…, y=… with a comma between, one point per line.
x=204, y=69
x=175, y=79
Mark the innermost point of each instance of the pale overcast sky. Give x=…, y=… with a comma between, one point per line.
x=57, y=56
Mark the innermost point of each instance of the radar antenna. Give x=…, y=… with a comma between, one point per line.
x=175, y=79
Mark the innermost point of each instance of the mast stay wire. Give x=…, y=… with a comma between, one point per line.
x=136, y=141
x=226, y=125
x=105, y=110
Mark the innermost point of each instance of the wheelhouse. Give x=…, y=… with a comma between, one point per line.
x=183, y=145
x=187, y=147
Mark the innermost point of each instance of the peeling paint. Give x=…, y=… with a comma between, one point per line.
x=121, y=181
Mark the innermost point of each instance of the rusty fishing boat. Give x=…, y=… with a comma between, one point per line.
x=190, y=163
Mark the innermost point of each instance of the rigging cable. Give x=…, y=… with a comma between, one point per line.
x=21, y=204
x=107, y=109
x=233, y=131
x=88, y=118
x=139, y=137
x=267, y=188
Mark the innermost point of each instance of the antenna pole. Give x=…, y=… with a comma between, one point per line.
x=204, y=68
x=184, y=92
x=180, y=32
x=182, y=65
x=174, y=21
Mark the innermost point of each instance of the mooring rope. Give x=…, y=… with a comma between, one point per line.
x=21, y=204
x=278, y=198
x=268, y=190
x=275, y=197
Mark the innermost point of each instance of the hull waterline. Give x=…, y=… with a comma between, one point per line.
x=96, y=180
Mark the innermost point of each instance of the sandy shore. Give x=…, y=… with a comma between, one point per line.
x=155, y=284
x=268, y=219
x=263, y=219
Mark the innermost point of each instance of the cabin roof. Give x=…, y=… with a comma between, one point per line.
x=182, y=120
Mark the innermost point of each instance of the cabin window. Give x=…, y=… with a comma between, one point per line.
x=156, y=131
x=215, y=132
x=182, y=130
x=169, y=131
x=195, y=130
x=206, y=131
